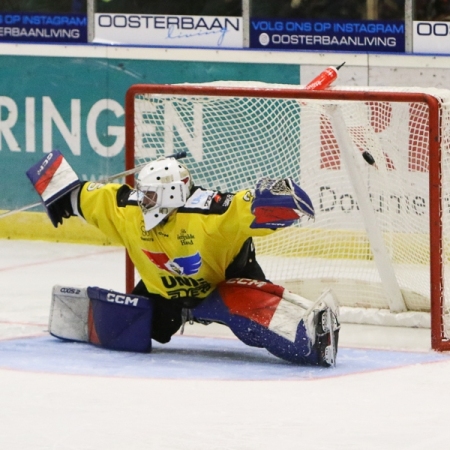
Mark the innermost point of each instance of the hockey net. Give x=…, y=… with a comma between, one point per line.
x=375, y=162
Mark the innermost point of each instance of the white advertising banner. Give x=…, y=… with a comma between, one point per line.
x=169, y=31
x=431, y=37
x=397, y=189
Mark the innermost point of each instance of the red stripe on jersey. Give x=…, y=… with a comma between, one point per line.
x=43, y=182
x=159, y=259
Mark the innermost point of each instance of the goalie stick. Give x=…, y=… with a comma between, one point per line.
x=125, y=173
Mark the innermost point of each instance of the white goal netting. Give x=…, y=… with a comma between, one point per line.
x=370, y=241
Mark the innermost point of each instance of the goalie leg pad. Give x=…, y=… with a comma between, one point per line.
x=102, y=317
x=260, y=315
x=69, y=313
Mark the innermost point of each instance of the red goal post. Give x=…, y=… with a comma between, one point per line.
x=379, y=239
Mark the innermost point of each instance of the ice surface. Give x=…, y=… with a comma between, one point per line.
x=204, y=390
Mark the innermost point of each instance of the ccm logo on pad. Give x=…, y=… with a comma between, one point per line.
x=122, y=299
x=45, y=163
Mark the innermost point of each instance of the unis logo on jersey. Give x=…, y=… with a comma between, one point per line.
x=185, y=265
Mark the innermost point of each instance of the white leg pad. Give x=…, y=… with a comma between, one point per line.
x=69, y=313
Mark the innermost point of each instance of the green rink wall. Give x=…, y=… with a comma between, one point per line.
x=71, y=98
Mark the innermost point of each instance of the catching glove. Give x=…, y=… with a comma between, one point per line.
x=279, y=203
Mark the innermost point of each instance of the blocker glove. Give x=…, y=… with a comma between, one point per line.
x=53, y=179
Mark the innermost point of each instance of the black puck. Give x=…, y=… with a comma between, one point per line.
x=368, y=158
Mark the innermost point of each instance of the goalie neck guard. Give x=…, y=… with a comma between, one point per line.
x=161, y=187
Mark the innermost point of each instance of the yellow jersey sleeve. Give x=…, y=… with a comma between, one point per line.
x=98, y=205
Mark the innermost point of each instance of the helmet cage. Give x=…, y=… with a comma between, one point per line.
x=167, y=195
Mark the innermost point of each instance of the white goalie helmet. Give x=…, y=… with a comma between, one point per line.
x=162, y=186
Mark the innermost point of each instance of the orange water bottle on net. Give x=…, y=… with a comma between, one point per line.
x=324, y=79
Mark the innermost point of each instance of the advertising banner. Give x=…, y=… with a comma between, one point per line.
x=334, y=193
x=431, y=37
x=169, y=31
x=31, y=27
x=330, y=35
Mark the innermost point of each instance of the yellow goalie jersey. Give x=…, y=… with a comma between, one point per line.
x=187, y=254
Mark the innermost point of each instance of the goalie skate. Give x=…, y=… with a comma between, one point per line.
x=327, y=335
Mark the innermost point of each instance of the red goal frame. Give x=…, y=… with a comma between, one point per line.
x=438, y=340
